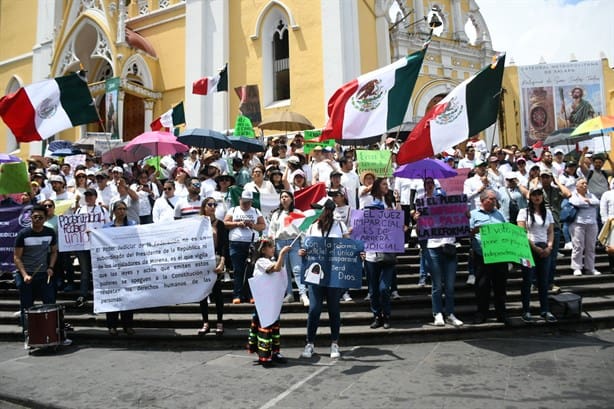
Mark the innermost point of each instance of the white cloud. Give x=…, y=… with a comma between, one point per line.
x=553, y=29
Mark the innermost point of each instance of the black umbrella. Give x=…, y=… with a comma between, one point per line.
x=243, y=144
x=563, y=137
x=204, y=138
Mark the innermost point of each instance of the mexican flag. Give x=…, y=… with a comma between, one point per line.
x=470, y=108
x=207, y=85
x=302, y=220
x=170, y=119
x=42, y=109
x=374, y=102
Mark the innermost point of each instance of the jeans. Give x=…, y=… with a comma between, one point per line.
x=238, y=256
x=443, y=275
x=556, y=242
x=38, y=288
x=316, y=299
x=293, y=263
x=541, y=269
x=424, y=260
x=85, y=266
x=380, y=277
x=566, y=234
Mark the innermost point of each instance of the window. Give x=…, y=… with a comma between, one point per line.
x=281, y=63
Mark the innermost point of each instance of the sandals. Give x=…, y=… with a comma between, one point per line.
x=219, y=329
x=205, y=329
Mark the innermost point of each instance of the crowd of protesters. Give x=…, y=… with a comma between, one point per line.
x=505, y=184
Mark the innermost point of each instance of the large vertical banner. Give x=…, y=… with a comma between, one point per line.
x=555, y=96
x=112, y=98
x=249, y=103
x=12, y=219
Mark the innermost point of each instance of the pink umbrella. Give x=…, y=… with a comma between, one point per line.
x=119, y=153
x=155, y=143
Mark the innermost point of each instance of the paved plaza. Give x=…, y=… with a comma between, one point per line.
x=569, y=370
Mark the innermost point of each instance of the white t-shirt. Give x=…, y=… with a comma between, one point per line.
x=261, y=266
x=538, y=231
x=244, y=234
x=338, y=229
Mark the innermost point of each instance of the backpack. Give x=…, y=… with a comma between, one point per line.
x=568, y=212
x=513, y=208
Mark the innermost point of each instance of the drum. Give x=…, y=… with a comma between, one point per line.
x=45, y=325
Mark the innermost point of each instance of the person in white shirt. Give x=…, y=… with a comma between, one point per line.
x=324, y=165
x=192, y=163
x=105, y=190
x=470, y=159
x=558, y=165
x=59, y=189
x=350, y=180
x=147, y=192
x=164, y=206
x=130, y=199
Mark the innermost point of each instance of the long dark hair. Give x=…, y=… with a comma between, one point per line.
x=542, y=207
x=326, y=219
x=281, y=208
x=376, y=192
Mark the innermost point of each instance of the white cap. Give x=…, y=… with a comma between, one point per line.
x=247, y=195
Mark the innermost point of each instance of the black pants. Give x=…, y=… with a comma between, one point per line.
x=487, y=277
x=217, y=297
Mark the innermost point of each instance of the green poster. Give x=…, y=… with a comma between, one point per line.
x=375, y=161
x=243, y=127
x=310, y=134
x=14, y=178
x=505, y=242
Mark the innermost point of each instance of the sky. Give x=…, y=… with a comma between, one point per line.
x=529, y=30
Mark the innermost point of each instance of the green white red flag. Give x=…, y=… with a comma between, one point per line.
x=170, y=119
x=374, y=102
x=42, y=109
x=467, y=110
x=302, y=220
x=208, y=85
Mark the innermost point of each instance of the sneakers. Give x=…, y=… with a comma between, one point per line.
x=308, y=351
x=236, y=301
x=67, y=342
x=452, y=320
x=548, y=317
x=377, y=322
x=334, y=351
x=439, y=322
x=527, y=318
x=226, y=278
x=555, y=288
x=577, y=272
x=305, y=300
x=368, y=297
x=346, y=297
x=471, y=279
x=395, y=295
x=596, y=273
x=422, y=282
x=568, y=246
x=81, y=302
x=386, y=322
x=289, y=298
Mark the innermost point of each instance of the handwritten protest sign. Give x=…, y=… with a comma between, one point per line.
x=310, y=134
x=268, y=291
x=152, y=265
x=442, y=216
x=379, y=230
x=75, y=160
x=73, y=230
x=376, y=161
x=334, y=261
x=455, y=184
x=505, y=242
x=243, y=127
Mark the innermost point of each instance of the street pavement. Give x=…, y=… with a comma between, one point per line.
x=565, y=370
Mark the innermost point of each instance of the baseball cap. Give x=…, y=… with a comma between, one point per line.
x=557, y=151
x=571, y=163
x=511, y=175
x=247, y=195
x=56, y=178
x=117, y=169
x=102, y=173
x=335, y=173
x=294, y=159
x=90, y=191
x=479, y=163
x=546, y=172
x=329, y=149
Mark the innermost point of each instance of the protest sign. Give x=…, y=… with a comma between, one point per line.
x=375, y=161
x=74, y=160
x=379, y=230
x=311, y=134
x=505, y=242
x=14, y=178
x=268, y=291
x=152, y=265
x=244, y=127
x=455, y=184
x=335, y=261
x=73, y=230
x=442, y=216
x=12, y=220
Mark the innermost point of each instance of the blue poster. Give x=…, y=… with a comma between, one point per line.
x=332, y=262
x=12, y=219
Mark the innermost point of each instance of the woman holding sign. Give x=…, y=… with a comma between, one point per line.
x=120, y=219
x=537, y=220
x=324, y=226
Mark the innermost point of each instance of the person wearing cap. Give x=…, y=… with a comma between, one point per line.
x=182, y=179
x=597, y=177
x=324, y=226
x=164, y=206
x=554, y=193
x=495, y=176
x=167, y=167
x=522, y=172
x=244, y=224
x=116, y=173
x=97, y=217
x=568, y=178
x=81, y=185
x=537, y=220
x=476, y=184
x=335, y=183
x=488, y=276
x=323, y=164
x=221, y=163
x=105, y=190
x=367, y=178
x=558, y=164
x=258, y=183
x=221, y=194
x=192, y=163
x=147, y=192
x=189, y=206
x=66, y=171
x=512, y=197
x=58, y=185
x=584, y=230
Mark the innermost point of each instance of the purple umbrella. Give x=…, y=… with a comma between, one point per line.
x=425, y=168
x=5, y=158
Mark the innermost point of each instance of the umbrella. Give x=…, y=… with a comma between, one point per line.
x=595, y=126
x=560, y=137
x=58, y=145
x=425, y=168
x=286, y=121
x=66, y=152
x=204, y=138
x=155, y=143
x=119, y=153
x=244, y=144
x=6, y=158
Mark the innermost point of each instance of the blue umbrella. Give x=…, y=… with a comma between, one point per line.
x=425, y=168
x=243, y=144
x=204, y=138
x=66, y=152
x=54, y=146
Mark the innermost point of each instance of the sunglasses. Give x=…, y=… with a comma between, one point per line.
x=48, y=206
x=212, y=204
x=37, y=217
x=168, y=189
x=195, y=184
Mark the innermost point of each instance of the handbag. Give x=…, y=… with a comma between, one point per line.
x=566, y=305
x=568, y=212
